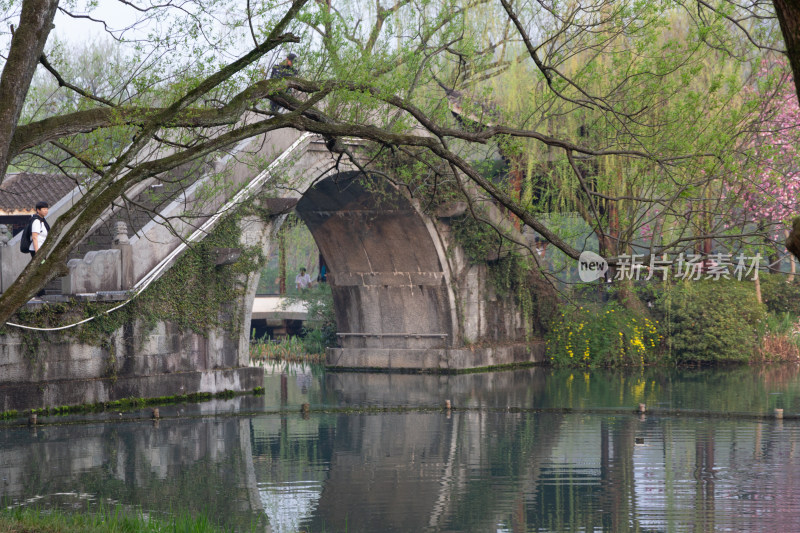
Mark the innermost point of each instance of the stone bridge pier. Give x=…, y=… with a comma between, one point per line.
x=405, y=296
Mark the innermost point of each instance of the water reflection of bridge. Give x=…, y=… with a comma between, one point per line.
x=414, y=467
x=481, y=469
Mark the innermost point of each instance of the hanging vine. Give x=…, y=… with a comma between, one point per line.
x=510, y=272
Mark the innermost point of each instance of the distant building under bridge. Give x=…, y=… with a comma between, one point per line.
x=275, y=316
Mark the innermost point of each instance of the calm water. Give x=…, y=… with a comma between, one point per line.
x=486, y=468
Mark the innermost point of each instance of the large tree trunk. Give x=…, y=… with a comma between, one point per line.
x=27, y=45
x=788, y=12
x=793, y=239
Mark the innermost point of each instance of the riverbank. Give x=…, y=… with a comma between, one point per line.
x=673, y=323
x=25, y=520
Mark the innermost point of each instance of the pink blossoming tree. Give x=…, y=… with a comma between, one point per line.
x=771, y=193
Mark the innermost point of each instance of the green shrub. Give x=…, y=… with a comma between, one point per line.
x=319, y=331
x=780, y=296
x=711, y=321
x=316, y=340
x=602, y=335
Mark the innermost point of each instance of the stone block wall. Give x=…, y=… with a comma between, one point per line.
x=137, y=362
x=483, y=316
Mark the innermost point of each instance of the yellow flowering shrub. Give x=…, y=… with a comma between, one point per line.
x=602, y=335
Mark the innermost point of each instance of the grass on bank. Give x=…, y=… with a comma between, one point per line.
x=116, y=520
x=292, y=350
x=780, y=338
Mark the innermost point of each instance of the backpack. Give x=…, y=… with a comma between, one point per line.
x=25, y=240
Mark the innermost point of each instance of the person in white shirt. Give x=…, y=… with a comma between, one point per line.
x=302, y=280
x=39, y=228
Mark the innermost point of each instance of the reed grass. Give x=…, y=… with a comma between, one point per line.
x=292, y=349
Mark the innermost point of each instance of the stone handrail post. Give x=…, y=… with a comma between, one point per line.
x=122, y=244
x=5, y=234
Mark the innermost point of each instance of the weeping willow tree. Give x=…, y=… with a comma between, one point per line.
x=657, y=124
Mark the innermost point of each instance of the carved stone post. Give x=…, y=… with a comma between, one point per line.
x=5, y=236
x=122, y=244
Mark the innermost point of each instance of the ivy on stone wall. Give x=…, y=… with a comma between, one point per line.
x=511, y=273
x=194, y=294
x=479, y=240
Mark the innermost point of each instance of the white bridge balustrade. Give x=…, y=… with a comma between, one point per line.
x=102, y=270
x=285, y=151
x=115, y=269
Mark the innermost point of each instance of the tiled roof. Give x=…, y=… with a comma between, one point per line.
x=20, y=192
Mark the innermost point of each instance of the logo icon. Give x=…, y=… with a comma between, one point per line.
x=591, y=266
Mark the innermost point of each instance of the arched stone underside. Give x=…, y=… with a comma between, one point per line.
x=388, y=284
x=400, y=302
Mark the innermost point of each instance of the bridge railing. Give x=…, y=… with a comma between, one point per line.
x=189, y=217
x=163, y=243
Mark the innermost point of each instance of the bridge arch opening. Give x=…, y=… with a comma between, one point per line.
x=386, y=271
x=405, y=296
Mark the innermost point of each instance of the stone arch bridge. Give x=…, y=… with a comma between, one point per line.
x=405, y=296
